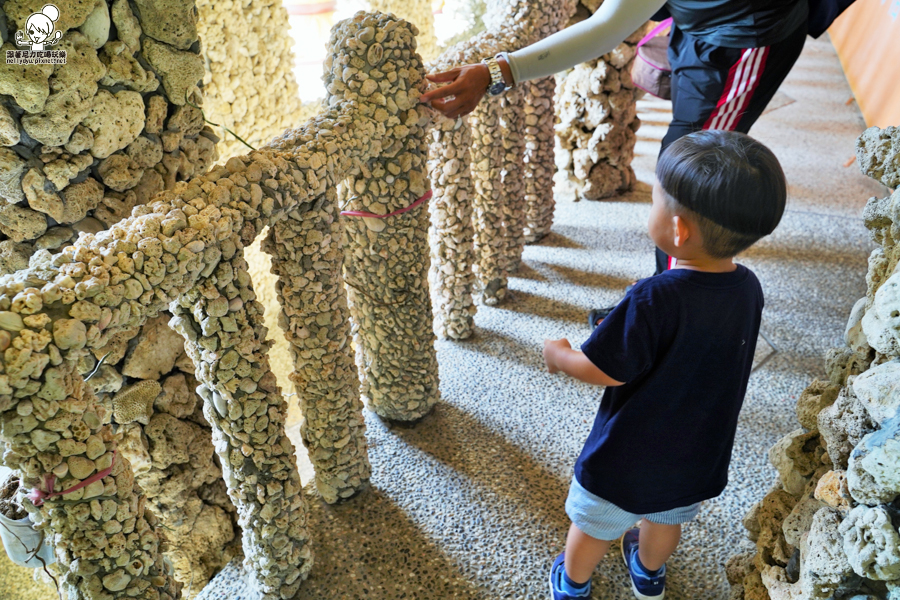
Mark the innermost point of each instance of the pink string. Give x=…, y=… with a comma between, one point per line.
x=361, y=213
x=37, y=495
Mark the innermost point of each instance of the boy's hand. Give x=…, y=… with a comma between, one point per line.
x=552, y=349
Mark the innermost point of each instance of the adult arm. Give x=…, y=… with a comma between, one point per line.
x=559, y=356
x=614, y=21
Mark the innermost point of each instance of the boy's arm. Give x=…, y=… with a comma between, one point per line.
x=559, y=356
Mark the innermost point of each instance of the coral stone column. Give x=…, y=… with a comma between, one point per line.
x=307, y=258
x=223, y=328
x=512, y=182
x=386, y=259
x=487, y=162
x=104, y=540
x=451, y=234
x=539, y=161
x=386, y=271
x=596, y=106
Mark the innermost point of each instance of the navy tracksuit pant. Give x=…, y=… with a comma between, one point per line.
x=714, y=87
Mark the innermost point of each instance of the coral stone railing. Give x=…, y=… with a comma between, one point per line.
x=492, y=171
x=184, y=251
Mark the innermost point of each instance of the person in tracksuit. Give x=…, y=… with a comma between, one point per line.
x=727, y=59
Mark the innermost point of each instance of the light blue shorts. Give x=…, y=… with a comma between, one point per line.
x=603, y=520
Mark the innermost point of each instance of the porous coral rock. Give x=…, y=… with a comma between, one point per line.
x=41, y=197
x=135, y=403
x=878, y=389
x=156, y=350
x=873, y=474
x=146, y=151
x=881, y=323
x=796, y=456
x=825, y=569
x=72, y=13
x=106, y=380
x=115, y=121
x=854, y=335
x=595, y=137
x=248, y=86
x=20, y=223
x=797, y=523
x=127, y=25
x=14, y=256
x=816, y=397
x=29, y=85
x=878, y=153
x=9, y=130
x=119, y=172
x=73, y=86
x=841, y=363
x=61, y=170
x=79, y=199
x=81, y=139
x=178, y=398
x=180, y=71
x=842, y=426
x=169, y=439
x=96, y=26
x=12, y=167
x=871, y=543
x=771, y=544
x=832, y=489
x=173, y=22
x=123, y=68
x=54, y=238
x=186, y=119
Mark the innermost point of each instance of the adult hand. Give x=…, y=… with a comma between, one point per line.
x=468, y=86
x=552, y=349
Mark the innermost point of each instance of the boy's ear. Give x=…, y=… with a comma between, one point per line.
x=680, y=230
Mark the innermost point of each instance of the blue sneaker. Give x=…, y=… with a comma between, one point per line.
x=644, y=586
x=556, y=581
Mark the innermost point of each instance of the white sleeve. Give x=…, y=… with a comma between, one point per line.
x=614, y=21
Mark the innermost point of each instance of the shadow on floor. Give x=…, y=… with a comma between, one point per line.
x=602, y=281
x=357, y=556
x=557, y=240
x=531, y=304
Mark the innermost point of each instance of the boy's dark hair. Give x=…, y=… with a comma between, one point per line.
x=731, y=185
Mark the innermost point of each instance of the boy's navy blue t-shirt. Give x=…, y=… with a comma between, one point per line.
x=683, y=343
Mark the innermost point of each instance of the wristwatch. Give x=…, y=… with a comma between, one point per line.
x=497, y=86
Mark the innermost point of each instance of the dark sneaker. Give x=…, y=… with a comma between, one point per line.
x=643, y=585
x=556, y=581
x=598, y=314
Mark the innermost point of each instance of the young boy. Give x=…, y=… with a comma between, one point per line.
x=675, y=356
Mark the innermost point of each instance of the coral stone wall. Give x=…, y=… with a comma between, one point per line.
x=829, y=527
x=84, y=142
x=595, y=107
x=248, y=84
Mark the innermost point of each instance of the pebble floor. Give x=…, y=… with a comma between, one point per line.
x=468, y=503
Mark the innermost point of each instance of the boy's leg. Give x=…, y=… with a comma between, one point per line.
x=657, y=543
x=583, y=554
